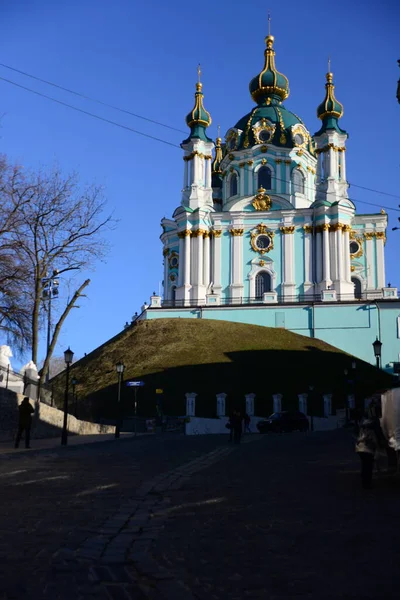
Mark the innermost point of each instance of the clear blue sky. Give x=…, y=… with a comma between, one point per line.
x=142, y=56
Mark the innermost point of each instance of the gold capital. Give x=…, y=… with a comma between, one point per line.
x=287, y=230
x=236, y=232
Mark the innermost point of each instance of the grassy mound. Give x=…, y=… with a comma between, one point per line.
x=209, y=357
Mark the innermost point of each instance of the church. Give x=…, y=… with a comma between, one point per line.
x=266, y=233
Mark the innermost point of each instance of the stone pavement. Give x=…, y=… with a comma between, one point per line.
x=55, y=442
x=175, y=518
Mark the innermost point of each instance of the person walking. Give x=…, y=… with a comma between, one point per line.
x=370, y=440
x=24, y=422
x=237, y=426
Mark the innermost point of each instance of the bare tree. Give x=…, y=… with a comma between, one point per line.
x=57, y=226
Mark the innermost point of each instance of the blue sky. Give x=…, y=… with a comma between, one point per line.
x=142, y=56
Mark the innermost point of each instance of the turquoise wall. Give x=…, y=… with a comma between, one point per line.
x=350, y=327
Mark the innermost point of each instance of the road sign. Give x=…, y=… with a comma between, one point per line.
x=135, y=383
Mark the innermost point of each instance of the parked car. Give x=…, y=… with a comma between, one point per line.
x=284, y=421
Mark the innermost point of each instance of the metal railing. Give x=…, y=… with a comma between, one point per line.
x=20, y=383
x=259, y=300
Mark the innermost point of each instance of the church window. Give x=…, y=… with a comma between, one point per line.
x=263, y=242
x=174, y=261
x=265, y=178
x=298, y=182
x=264, y=135
x=357, y=288
x=233, y=185
x=263, y=284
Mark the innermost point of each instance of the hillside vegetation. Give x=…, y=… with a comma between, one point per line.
x=209, y=357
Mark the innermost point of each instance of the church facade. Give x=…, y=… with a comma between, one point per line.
x=265, y=225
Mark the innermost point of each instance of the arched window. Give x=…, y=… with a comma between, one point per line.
x=233, y=185
x=263, y=284
x=357, y=288
x=298, y=181
x=173, y=294
x=264, y=178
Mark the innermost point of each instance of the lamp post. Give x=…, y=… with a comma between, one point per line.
x=49, y=291
x=68, y=356
x=377, y=346
x=120, y=367
x=346, y=394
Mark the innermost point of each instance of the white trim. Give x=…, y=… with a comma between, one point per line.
x=256, y=269
x=255, y=177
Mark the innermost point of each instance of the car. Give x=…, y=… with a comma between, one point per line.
x=284, y=421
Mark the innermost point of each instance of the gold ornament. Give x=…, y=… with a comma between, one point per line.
x=262, y=201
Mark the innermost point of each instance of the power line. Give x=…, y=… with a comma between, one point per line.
x=109, y=121
x=80, y=95
x=85, y=112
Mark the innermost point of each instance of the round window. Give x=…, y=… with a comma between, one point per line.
x=354, y=247
x=263, y=242
x=264, y=135
x=299, y=139
x=174, y=261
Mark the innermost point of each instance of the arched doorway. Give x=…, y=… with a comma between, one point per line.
x=263, y=284
x=357, y=288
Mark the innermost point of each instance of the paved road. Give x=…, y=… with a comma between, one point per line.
x=175, y=518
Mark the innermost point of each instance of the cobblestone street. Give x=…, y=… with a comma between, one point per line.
x=178, y=518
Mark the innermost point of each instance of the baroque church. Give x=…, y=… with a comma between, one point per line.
x=265, y=215
x=266, y=233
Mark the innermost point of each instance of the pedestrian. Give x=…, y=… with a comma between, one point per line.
x=24, y=422
x=370, y=441
x=237, y=426
x=229, y=426
x=246, y=421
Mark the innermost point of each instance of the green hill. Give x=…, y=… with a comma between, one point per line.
x=208, y=357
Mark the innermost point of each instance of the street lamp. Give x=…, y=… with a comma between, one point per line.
x=120, y=368
x=49, y=291
x=377, y=345
x=68, y=356
x=311, y=406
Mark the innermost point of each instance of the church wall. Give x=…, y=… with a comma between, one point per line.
x=226, y=264
x=299, y=260
x=351, y=327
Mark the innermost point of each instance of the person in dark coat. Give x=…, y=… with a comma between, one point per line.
x=236, y=421
x=370, y=440
x=24, y=422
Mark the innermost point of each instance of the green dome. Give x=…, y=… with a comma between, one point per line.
x=277, y=119
x=330, y=110
x=199, y=118
x=270, y=85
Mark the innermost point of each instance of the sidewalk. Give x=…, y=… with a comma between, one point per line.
x=55, y=442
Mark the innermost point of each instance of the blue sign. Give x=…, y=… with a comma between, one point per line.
x=135, y=383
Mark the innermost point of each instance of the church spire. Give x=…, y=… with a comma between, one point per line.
x=270, y=86
x=199, y=118
x=330, y=110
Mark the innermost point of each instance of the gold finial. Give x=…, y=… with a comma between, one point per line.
x=199, y=85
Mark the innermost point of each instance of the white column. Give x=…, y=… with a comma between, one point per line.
x=166, y=280
x=318, y=256
x=236, y=258
x=250, y=177
x=190, y=404
x=221, y=405
x=241, y=181
x=198, y=241
x=343, y=165
x=186, y=280
x=380, y=259
x=181, y=260
x=277, y=402
x=185, y=174
x=339, y=250
x=216, y=261
x=308, y=255
x=346, y=250
x=195, y=167
x=287, y=176
x=326, y=276
x=370, y=261
x=206, y=259
x=207, y=164
x=250, y=404
x=333, y=255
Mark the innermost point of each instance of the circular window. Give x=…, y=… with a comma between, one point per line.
x=263, y=242
x=299, y=139
x=174, y=261
x=264, y=135
x=354, y=247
